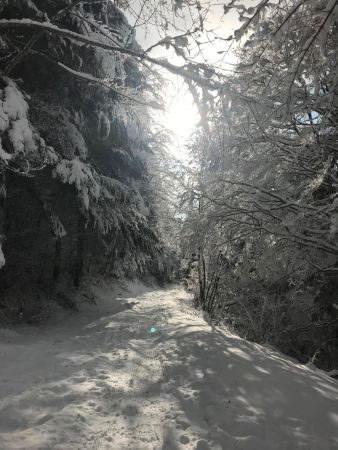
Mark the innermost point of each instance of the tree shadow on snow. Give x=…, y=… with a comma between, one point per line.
x=243, y=397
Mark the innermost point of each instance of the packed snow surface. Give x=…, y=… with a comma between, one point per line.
x=141, y=370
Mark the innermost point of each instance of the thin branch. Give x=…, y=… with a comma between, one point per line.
x=185, y=71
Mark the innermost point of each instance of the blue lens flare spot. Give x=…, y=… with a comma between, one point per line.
x=153, y=330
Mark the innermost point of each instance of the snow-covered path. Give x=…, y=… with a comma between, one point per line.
x=100, y=380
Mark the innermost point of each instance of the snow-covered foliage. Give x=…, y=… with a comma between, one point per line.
x=57, y=226
x=2, y=258
x=77, y=127
x=24, y=144
x=77, y=173
x=262, y=211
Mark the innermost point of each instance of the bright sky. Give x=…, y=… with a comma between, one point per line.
x=182, y=115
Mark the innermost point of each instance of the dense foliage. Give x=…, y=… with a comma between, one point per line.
x=262, y=203
x=75, y=150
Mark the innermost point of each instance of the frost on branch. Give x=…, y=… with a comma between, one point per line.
x=262, y=213
x=23, y=141
x=57, y=226
x=2, y=258
x=14, y=121
x=80, y=175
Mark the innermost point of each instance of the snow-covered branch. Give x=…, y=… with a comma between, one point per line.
x=191, y=72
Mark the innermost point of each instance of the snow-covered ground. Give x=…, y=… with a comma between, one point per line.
x=99, y=379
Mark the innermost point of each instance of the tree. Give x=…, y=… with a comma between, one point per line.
x=266, y=181
x=75, y=150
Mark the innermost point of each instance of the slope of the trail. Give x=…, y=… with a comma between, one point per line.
x=101, y=379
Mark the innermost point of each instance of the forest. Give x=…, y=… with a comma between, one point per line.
x=245, y=221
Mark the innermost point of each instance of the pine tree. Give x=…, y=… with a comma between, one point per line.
x=74, y=147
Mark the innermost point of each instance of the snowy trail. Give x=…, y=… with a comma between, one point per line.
x=100, y=380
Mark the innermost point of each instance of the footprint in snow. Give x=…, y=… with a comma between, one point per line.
x=184, y=439
x=182, y=423
x=80, y=379
x=130, y=410
x=202, y=445
x=103, y=377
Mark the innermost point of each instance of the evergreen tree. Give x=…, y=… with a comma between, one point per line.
x=75, y=148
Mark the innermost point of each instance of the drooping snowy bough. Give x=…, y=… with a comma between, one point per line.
x=75, y=146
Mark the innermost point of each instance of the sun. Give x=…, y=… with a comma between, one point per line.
x=181, y=116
